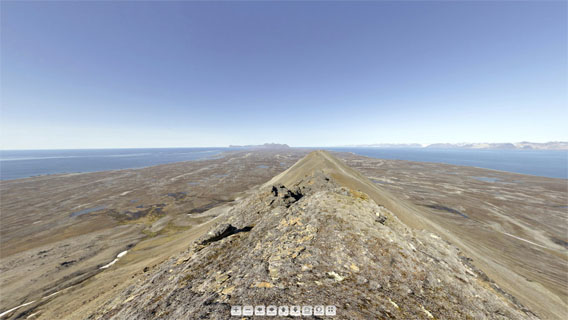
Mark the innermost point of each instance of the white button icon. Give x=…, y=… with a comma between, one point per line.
x=259, y=310
x=295, y=311
x=330, y=310
x=307, y=310
x=283, y=311
x=248, y=310
x=271, y=311
x=236, y=311
x=319, y=311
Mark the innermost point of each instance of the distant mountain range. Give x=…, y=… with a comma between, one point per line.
x=388, y=145
x=262, y=146
x=553, y=145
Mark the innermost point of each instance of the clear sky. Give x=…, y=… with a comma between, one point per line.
x=185, y=74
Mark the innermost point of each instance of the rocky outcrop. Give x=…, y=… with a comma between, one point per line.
x=316, y=242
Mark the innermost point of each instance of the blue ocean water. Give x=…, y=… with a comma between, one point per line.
x=545, y=163
x=26, y=163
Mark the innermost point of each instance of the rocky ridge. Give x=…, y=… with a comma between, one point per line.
x=308, y=238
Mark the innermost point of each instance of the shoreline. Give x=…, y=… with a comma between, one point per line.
x=61, y=174
x=224, y=153
x=457, y=165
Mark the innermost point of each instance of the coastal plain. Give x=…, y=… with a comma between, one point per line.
x=60, y=233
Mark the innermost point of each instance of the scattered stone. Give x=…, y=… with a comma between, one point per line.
x=354, y=268
x=228, y=290
x=335, y=276
x=381, y=219
x=264, y=285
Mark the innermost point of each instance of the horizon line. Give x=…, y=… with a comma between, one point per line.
x=422, y=145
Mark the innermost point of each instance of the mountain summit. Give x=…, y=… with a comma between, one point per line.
x=317, y=234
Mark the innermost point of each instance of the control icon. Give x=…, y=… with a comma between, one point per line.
x=259, y=310
x=319, y=311
x=236, y=311
x=307, y=310
x=330, y=310
x=271, y=311
x=248, y=310
x=295, y=311
x=283, y=311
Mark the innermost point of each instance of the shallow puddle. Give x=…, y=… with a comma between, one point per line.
x=85, y=211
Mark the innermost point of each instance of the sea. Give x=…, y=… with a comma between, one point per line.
x=545, y=163
x=18, y=164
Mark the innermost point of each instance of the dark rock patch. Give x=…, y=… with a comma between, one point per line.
x=67, y=263
x=155, y=209
x=559, y=242
x=381, y=219
x=285, y=196
x=223, y=231
x=208, y=206
x=447, y=209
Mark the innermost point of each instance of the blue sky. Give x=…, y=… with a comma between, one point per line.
x=184, y=74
